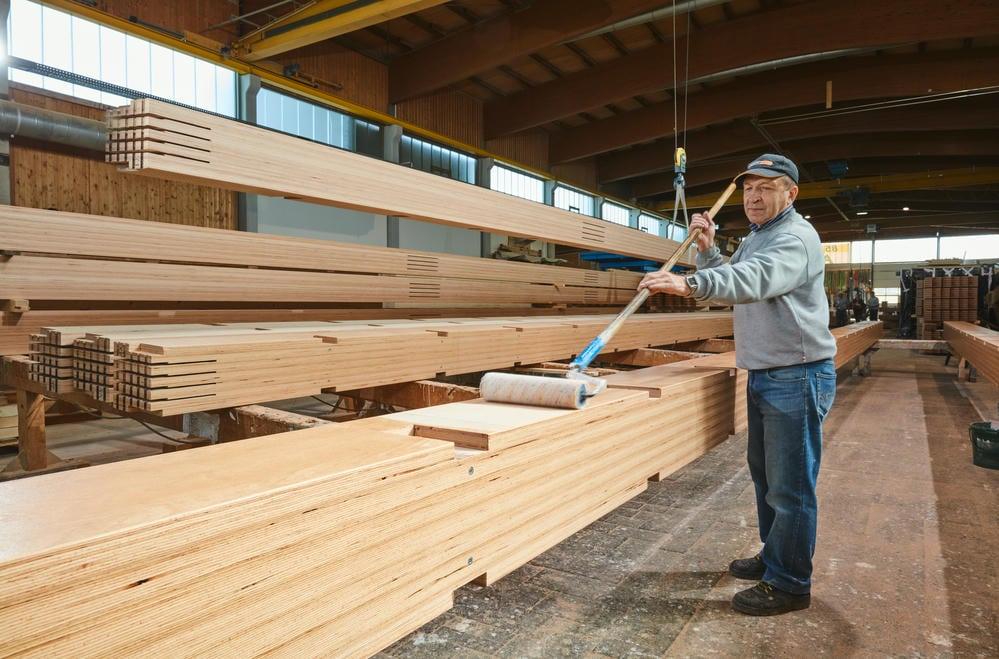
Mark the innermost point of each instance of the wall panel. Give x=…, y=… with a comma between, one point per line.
x=452, y=114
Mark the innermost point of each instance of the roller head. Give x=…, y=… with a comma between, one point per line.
x=536, y=390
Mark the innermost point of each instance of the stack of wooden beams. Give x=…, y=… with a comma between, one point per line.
x=976, y=344
x=853, y=340
x=939, y=299
x=224, y=366
x=63, y=263
x=338, y=539
x=163, y=140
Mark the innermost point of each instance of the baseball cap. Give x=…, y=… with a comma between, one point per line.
x=771, y=165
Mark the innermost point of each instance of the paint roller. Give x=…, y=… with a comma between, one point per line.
x=572, y=391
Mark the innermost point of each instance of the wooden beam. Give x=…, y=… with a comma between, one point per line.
x=319, y=21
x=215, y=151
x=502, y=39
x=256, y=420
x=714, y=142
x=414, y=395
x=791, y=31
x=855, y=78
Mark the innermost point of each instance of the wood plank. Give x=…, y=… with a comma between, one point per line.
x=246, y=158
x=976, y=344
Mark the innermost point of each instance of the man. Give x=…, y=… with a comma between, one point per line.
x=841, y=307
x=859, y=307
x=775, y=280
x=873, y=304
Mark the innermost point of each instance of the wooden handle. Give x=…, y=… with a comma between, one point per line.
x=692, y=236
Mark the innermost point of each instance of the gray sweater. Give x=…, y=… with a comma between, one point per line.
x=775, y=279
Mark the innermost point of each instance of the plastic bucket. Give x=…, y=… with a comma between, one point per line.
x=984, y=444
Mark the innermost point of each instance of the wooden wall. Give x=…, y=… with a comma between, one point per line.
x=193, y=15
x=529, y=147
x=451, y=114
x=47, y=176
x=363, y=80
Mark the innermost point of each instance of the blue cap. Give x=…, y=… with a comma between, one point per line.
x=771, y=165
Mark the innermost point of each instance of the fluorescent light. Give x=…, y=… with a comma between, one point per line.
x=808, y=217
x=905, y=208
x=861, y=213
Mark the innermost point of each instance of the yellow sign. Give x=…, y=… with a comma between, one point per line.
x=836, y=252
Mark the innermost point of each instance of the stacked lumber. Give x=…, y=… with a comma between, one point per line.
x=17, y=328
x=225, y=366
x=853, y=340
x=939, y=299
x=334, y=540
x=976, y=344
x=163, y=140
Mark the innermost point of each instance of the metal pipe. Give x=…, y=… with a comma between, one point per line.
x=648, y=17
x=20, y=120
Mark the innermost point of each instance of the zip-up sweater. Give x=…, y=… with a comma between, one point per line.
x=776, y=281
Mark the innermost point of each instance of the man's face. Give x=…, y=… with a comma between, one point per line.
x=763, y=198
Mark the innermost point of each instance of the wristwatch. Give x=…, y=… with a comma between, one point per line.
x=692, y=284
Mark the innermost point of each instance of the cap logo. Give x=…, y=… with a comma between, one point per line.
x=768, y=163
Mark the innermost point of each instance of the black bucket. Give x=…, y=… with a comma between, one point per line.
x=984, y=444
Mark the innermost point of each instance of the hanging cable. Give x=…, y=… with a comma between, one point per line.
x=686, y=81
x=676, y=142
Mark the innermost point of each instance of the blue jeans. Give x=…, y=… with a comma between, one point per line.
x=786, y=408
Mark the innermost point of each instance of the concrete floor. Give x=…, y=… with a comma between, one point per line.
x=907, y=561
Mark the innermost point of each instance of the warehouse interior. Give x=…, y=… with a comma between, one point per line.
x=258, y=258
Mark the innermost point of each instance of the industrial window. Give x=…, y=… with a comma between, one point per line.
x=677, y=232
x=54, y=50
x=900, y=250
x=436, y=159
x=573, y=200
x=615, y=213
x=651, y=224
x=970, y=248
x=518, y=184
x=314, y=122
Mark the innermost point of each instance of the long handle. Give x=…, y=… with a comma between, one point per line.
x=596, y=345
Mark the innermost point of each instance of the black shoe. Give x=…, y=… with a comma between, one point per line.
x=747, y=568
x=766, y=600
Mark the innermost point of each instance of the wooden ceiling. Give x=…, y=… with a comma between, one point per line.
x=912, y=85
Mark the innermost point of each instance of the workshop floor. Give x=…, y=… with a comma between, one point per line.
x=907, y=561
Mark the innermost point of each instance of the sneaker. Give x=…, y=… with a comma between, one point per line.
x=764, y=599
x=748, y=568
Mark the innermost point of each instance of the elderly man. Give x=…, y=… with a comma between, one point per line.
x=775, y=280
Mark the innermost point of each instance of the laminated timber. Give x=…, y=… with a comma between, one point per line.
x=69, y=256
x=335, y=539
x=163, y=372
x=159, y=139
x=977, y=345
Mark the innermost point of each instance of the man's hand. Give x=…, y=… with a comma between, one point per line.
x=707, y=225
x=665, y=282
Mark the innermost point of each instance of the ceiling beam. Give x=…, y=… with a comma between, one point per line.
x=501, y=40
x=800, y=30
x=934, y=180
x=710, y=143
x=852, y=78
x=922, y=145
x=322, y=20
